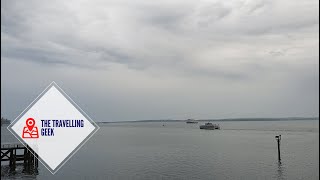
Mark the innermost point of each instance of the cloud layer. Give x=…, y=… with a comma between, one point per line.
x=126, y=60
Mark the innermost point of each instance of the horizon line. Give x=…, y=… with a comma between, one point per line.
x=218, y=119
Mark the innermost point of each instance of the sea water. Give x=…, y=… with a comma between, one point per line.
x=176, y=150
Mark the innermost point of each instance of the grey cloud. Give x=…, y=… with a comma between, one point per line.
x=255, y=6
x=211, y=13
x=276, y=53
x=225, y=48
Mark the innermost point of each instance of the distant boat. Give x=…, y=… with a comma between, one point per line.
x=210, y=126
x=191, y=121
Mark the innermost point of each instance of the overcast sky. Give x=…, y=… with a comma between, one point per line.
x=131, y=60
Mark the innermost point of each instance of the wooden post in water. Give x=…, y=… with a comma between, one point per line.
x=29, y=161
x=278, y=138
x=11, y=164
x=36, y=161
x=25, y=156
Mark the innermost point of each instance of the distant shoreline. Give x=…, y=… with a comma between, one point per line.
x=220, y=120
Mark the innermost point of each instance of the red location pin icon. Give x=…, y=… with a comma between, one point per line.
x=30, y=123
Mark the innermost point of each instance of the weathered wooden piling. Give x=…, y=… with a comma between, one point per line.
x=278, y=138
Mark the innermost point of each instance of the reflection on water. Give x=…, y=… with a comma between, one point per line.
x=280, y=171
x=19, y=171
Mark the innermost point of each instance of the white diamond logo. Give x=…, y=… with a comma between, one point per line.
x=54, y=127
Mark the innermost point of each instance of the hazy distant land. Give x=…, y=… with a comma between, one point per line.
x=5, y=121
x=225, y=119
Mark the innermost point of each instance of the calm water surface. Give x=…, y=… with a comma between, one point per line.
x=240, y=150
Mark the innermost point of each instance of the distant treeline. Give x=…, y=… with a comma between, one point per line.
x=5, y=121
x=227, y=119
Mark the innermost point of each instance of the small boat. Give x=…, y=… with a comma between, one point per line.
x=210, y=126
x=191, y=121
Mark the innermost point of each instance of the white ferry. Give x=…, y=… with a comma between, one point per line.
x=210, y=126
